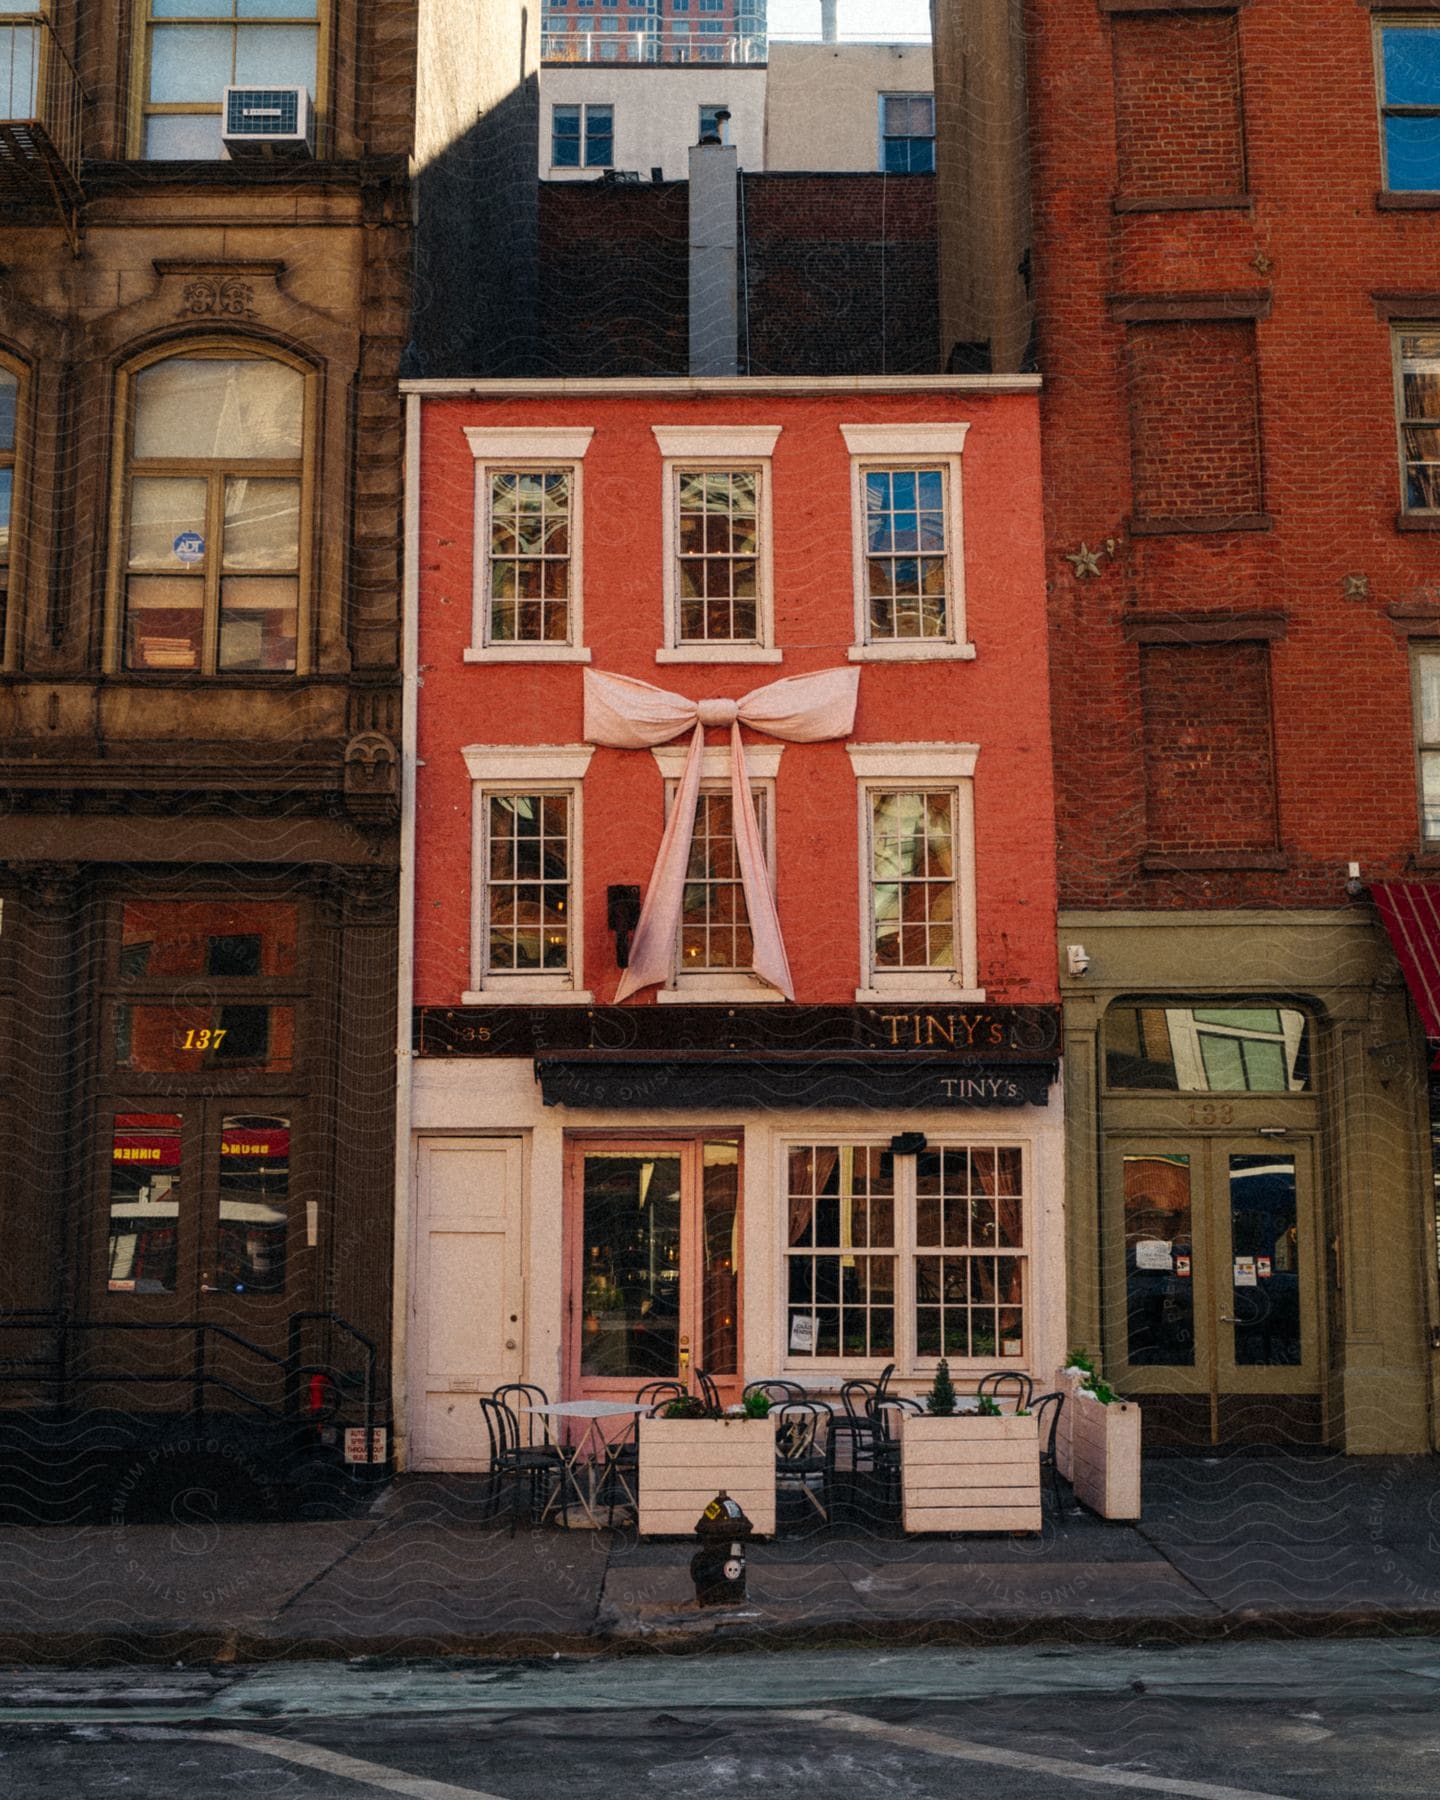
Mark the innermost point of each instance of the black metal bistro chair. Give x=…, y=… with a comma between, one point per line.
x=775, y=1391
x=709, y=1394
x=529, y=1470
x=1007, y=1384
x=622, y=1454
x=802, y=1455
x=1047, y=1419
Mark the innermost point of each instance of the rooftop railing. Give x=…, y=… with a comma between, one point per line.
x=40, y=103
x=651, y=46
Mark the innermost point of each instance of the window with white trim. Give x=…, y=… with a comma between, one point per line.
x=528, y=543
x=719, y=599
x=905, y=1259
x=917, y=896
x=908, y=547
x=1417, y=408
x=525, y=916
x=715, y=950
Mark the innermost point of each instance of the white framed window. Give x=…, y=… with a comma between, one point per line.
x=526, y=917
x=907, y=134
x=905, y=1259
x=917, y=871
x=1417, y=414
x=907, y=528
x=718, y=548
x=529, y=543
x=714, y=951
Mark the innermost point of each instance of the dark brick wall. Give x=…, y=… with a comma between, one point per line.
x=1177, y=105
x=1209, y=770
x=840, y=270
x=1193, y=418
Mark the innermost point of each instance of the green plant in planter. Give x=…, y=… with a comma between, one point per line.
x=941, y=1399
x=1100, y=1390
x=757, y=1405
x=1081, y=1359
x=988, y=1407
x=686, y=1407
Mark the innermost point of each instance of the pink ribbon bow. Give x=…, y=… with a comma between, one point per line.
x=633, y=715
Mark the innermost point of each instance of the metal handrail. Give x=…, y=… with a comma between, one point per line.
x=200, y=1377
x=40, y=86
x=651, y=47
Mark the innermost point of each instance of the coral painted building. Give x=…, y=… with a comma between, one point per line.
x=745, y=1070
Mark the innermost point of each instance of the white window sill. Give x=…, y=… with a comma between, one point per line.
x=528, y=995
x=912, y=650
x=719, y=653
x=919, y=987
x=527, y=653
x=731, y=993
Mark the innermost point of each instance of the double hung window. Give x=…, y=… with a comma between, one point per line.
x=907, y=134
x=214, y=554
x=528, y=528
x=905, y=1260
x=525, y=915
x=909, y=562
x=582, y=136
x=1407, y=60
x=918, y=870
x=1417, y=406
x=192, y=50
x=719, y=603
x=1426, y=670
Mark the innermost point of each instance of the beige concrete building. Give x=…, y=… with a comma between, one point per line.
x=850, y=108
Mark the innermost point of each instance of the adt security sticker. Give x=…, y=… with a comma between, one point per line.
x=190, y=547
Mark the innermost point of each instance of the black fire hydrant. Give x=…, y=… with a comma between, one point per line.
x=718, y=1566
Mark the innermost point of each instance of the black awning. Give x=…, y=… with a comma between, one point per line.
x=781, y=1084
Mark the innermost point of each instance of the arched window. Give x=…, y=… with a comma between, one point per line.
x=214, y=537
x=9, y=431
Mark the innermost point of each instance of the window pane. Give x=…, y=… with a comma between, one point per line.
x=528, y=887
x=254, y=1205
x=192, y=9
x=190, y=62
x=259, y=622
x=1212, y=1049
x=1412, y=154
x=262, y=525
x=219, y=408
x=720, y=1295
x=530, y=556
x=1411, y=56
x=1430, y=782
x=278, y=9
x=1264, y=1238
x=7, y=486
x=144, y=1203
x=219, y=940
x=164, y=622
x=183, y=137
x=631, y=1259
x=275, y=56
x=166, y=512
x=9, y=399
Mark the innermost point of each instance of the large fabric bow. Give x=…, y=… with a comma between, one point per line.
x=633, y=715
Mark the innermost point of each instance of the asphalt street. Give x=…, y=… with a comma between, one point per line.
x=1326, y=1721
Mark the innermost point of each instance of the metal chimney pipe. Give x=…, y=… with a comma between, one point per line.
x=714, y=259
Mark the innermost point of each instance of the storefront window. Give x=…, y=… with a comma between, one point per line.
x=842, y=1199
x=1208, y=1049
x=225, y=940
x=969, y=1301
x=144, y=1203
x=720, y=1205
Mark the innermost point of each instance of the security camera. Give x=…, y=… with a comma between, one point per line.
x=1077, y=959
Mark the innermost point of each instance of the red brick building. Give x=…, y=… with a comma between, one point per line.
x=742, y=1129
x=1236, y=308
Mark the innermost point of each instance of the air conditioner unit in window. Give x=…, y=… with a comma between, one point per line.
x=276, y=121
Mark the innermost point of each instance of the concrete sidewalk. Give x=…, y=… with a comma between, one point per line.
x=1229, y=1545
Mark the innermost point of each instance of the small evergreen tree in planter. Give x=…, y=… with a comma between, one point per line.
x=968, y=1471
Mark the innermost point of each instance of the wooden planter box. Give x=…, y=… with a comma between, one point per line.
x=684, y=1463
x=966, y=1473
x=1105, y=1456
x=1069, y=1386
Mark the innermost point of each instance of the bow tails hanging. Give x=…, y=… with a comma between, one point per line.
x=632, y=715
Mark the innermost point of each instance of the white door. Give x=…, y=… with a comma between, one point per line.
x=467, y=1313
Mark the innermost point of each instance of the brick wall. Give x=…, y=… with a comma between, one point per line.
x=1177, y=105
x=1193, y=418
x=841, y=274
x=1351, y=588
x=1209, y=768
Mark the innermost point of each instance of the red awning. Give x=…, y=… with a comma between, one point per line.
x=1411, y=914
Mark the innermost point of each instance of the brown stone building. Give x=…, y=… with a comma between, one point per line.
x=1214, y=238
x=200, y=529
